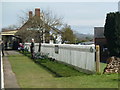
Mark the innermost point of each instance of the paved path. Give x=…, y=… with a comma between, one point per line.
x=9, y=77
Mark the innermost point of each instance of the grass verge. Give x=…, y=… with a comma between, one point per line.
x=56, y=68
x=32, y=75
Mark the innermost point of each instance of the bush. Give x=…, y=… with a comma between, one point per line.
x=39, y=55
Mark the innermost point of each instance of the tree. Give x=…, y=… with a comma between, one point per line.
x=67, y=35
x=51, y=23
x=51, y=20
x=112, y=33
x=27, y=35
x=44, y=23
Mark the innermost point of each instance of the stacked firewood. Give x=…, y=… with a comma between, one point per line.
x=113, y=65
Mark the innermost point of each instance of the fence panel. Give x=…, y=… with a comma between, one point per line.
x=81, y=56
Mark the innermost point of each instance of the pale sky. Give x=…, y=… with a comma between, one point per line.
x=82, y=16
x=59, y=0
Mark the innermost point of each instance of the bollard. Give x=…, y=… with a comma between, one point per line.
x=97, y=59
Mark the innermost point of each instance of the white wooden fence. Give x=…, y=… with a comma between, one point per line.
x=81, y=56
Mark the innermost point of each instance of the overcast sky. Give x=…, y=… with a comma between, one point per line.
x=82, y=16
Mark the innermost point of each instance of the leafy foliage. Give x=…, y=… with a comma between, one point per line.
x=67, y=35
x=112, y=33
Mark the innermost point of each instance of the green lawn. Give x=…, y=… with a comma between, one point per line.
x=32, y=75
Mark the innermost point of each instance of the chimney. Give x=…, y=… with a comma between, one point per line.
x=37, y=12
x=30, y=14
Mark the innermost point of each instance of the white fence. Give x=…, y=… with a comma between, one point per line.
x=81, y=56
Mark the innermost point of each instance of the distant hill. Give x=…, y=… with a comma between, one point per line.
x=83, y=29
x=81, y=36
x=83, y=32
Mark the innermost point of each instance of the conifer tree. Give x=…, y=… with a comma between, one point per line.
x=112, y=33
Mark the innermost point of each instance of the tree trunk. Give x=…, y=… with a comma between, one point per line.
x=39, y=50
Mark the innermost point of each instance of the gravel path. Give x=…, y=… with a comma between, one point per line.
x=9, y=76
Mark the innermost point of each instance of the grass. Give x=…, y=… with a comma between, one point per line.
x=61, y=70
x=32, y=75
x=56, y=68
x=102, y=66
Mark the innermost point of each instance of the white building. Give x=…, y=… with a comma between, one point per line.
x=119, y=6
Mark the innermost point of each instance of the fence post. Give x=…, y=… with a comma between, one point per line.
x=97, y=59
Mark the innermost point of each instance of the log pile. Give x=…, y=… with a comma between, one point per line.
x=113, y=65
